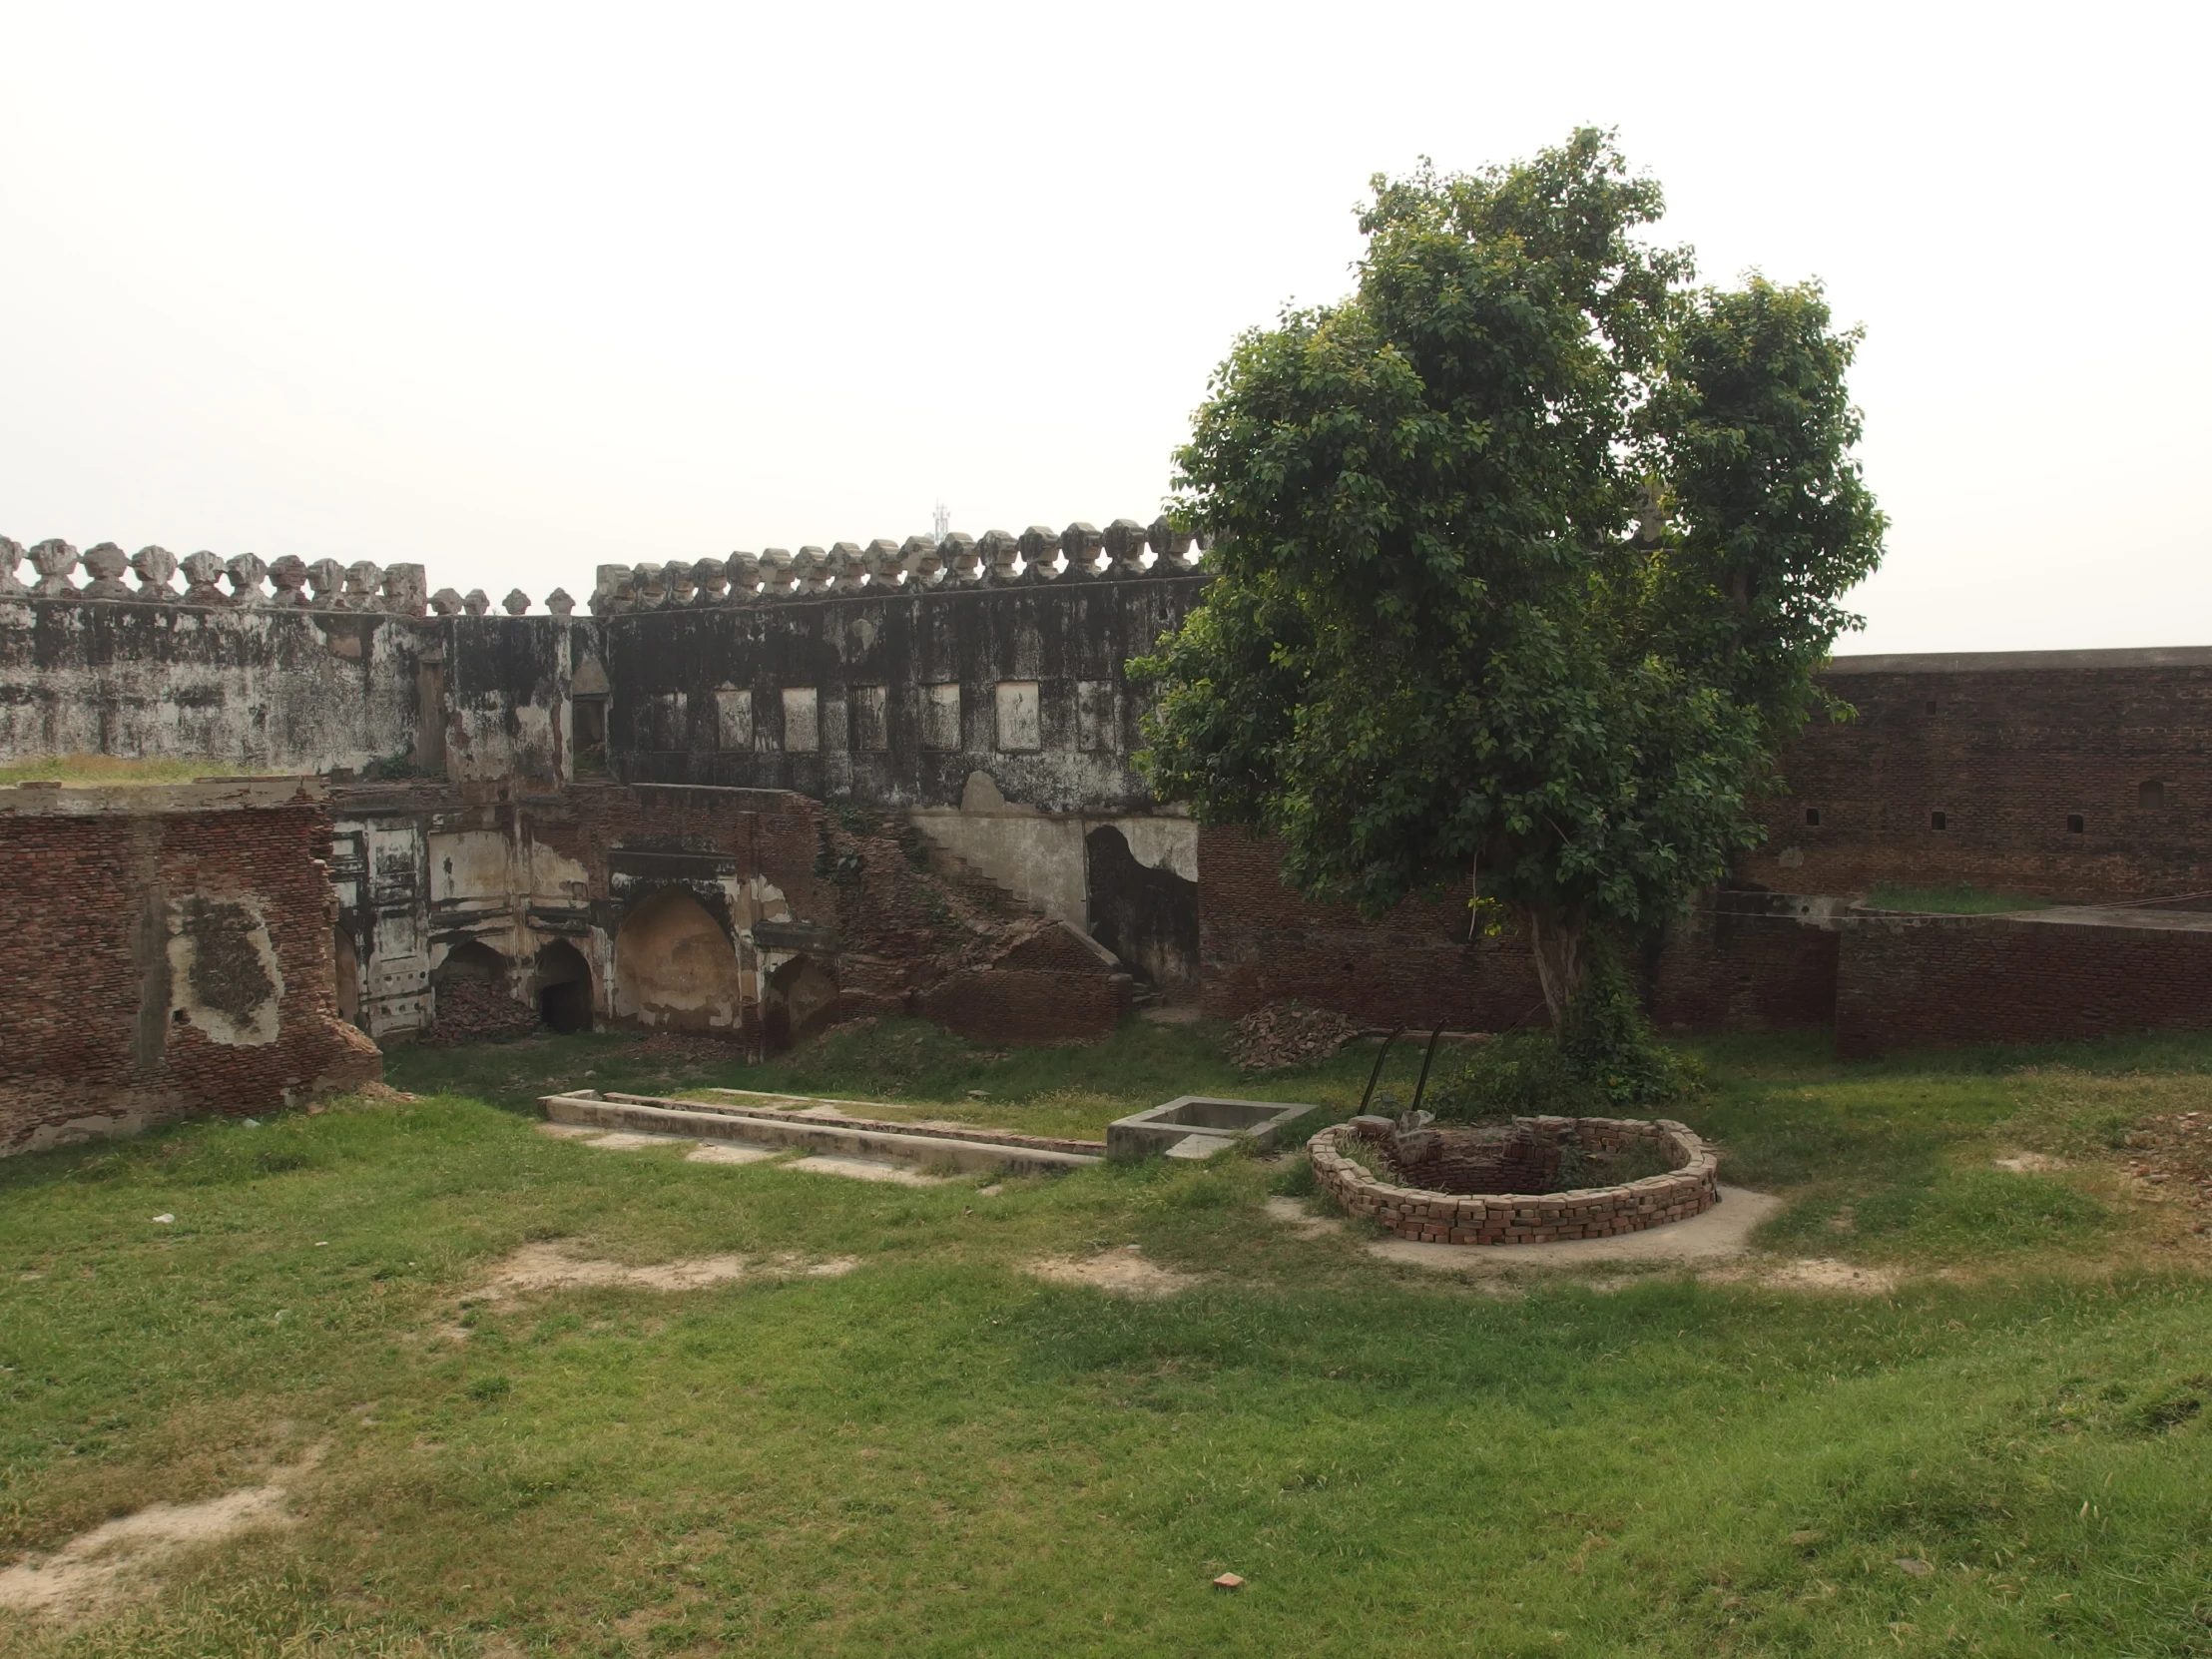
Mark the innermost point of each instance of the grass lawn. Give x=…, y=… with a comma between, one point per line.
x=937, y=1454
x=1958, y=900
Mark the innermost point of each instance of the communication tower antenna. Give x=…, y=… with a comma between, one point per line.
x=942, y=520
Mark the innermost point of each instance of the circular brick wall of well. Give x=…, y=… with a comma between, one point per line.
x=1481, y=1218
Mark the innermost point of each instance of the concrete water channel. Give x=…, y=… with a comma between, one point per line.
x=1191, y=1126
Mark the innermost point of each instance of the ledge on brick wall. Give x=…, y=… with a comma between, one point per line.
x=204, y=795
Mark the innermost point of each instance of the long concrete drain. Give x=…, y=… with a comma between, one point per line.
x=867, y=1149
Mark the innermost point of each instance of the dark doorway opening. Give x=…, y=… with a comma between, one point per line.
x=564, y=989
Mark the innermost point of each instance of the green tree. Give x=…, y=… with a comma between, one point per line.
x=1526, y=554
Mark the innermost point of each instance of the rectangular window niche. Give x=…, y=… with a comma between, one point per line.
x=802, y=720
x=940, y=717
x=871, y=731
x=732, y=718
x=1097, y=721
x=1018, y=728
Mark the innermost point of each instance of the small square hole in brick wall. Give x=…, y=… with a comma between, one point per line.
x=1812, y=817
x=1932, y=704
x=1938, y=821
x=2150, y=792
x=2074, y=825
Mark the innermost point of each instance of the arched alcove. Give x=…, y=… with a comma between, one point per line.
x=675, y=967
x=798, y=994
x=473, y=960
x=564, y=987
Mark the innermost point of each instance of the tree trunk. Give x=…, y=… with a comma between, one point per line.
x=1558, y=939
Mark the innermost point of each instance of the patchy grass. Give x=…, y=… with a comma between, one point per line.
x=1959, y=899
x=109, y=769
x=937, y=1454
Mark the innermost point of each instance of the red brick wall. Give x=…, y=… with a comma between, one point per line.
x=1743, y=961
x=84, y=968
x=2007, y=755
x=1917, y=983
x=1260, y=942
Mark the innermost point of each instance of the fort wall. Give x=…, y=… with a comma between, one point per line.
x=514, y=790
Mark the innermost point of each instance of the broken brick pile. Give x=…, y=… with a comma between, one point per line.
x=475, y=1010
x=2173, y=1154
x=1689, y=1189
x=1285, y=1034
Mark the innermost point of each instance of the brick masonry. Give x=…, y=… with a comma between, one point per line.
x=1508, y=1218
x=2037, y=762
x=1917, y=982
x=163, y=955
x=1260, y=942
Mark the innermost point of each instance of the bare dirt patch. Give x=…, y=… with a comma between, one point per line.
x=556, y=1267
x=1116, y=1272
x=1813, y=1273
x=2029, y=1163
x=2170, y=1157
x=120, y=1560
x=866, y=1169
x=1299, y=1218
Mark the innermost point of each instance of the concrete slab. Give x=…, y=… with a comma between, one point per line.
x=716, y=1152
x=624, y=1140
x=864, y=1169
x=1722, y=1233
x=1200, y=1146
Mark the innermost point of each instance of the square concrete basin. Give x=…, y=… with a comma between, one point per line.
x=1187, y=1123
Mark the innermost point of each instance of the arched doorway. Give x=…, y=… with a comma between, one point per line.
x=564, y=989
x=346, y=971
x=675, y=967
x=799, y=993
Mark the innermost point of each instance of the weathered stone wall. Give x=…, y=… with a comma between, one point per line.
x=165, y=951
x=295, y=690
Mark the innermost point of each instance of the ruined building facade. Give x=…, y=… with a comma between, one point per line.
x=748, y=795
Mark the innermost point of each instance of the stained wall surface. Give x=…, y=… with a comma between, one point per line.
x=165, y=951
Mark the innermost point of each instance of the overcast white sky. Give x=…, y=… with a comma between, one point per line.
x=513, y=291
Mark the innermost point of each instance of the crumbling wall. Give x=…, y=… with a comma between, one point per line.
x=165, y=952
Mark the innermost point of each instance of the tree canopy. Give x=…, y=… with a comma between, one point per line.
x=1525, y=555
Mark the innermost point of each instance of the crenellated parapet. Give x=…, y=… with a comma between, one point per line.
x=998, y=558
x=245, y=582
x=1123, y=550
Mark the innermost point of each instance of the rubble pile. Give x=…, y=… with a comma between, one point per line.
x=1285, y=1034
x=2172, y=1154
x=474, y=1010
